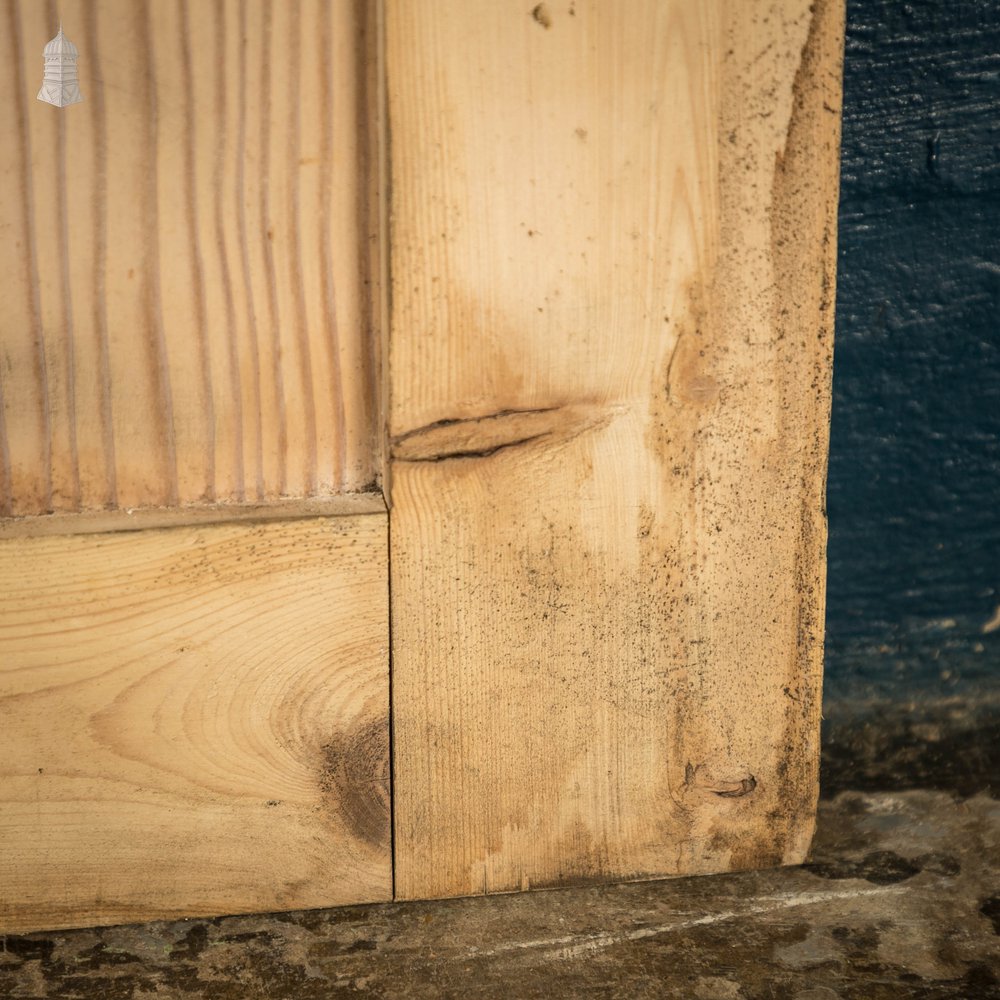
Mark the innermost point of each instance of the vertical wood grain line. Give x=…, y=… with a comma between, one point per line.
x=98, y=117
x=21, y=95
x=232, y=347
x=197, y=262
x=265, y=210
x=241, y=223
x=331, y=330
x=295, y=240
x=74, y=453
x=6, y=498
x=379, y=148
x=6, y=487
x=154, y=304
x=372, y=206
x=62, y=215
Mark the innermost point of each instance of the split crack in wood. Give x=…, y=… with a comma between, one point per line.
x=481, y=437
x=741, y=788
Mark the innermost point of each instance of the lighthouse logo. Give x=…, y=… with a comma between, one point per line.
x=60, y=86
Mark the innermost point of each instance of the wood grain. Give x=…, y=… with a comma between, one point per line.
x=183, y=272
x=193, y=721
x=612, y=254
x=95, y=522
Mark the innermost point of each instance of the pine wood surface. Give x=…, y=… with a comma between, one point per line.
x=193, y=721
x=95, y=522
x=183, y=264
x=612, y=263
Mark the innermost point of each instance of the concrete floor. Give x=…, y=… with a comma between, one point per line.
x=901, y=899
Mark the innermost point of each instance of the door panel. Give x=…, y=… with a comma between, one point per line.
x=184, y=257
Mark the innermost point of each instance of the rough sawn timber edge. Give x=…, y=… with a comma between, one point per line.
x=612, y=245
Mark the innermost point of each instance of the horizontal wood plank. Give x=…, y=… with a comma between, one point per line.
x=193, y=721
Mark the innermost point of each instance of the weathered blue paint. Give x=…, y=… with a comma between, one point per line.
x=914, y=557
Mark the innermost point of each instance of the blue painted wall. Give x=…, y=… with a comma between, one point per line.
x=914, y=485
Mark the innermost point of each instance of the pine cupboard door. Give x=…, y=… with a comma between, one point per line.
x=194, y=687
x=512, y=319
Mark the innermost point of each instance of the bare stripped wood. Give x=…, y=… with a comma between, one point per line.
x=101, y=521
x=193, y=721
x=183, y=300
x=612, y=254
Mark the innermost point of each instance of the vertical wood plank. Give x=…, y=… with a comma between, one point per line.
x=184, y=317
x=612, y=252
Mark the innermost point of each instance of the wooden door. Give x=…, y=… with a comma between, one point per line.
x=522, y=313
